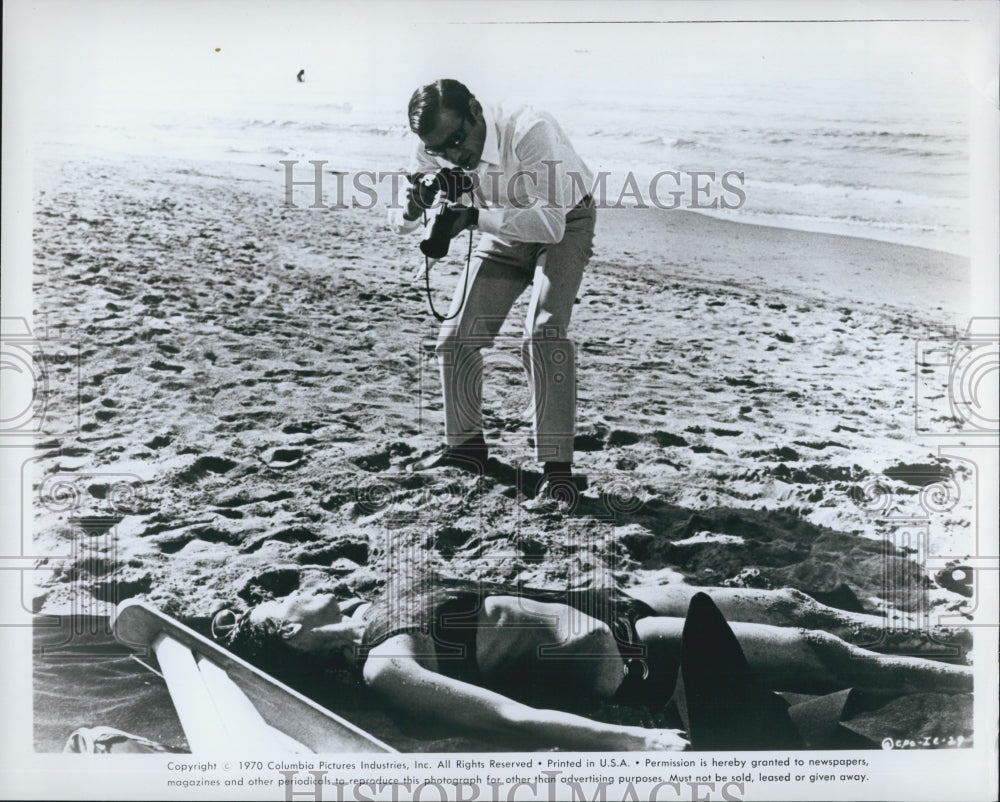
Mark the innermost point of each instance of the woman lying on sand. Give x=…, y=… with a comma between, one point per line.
x=484, y=658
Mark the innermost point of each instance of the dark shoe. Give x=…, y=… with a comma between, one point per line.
x=727, y=707
x=472, y=456
x=558, y=492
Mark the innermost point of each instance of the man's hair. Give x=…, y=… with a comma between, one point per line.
x=428, y=101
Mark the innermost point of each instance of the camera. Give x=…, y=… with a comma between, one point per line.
x=452, y=183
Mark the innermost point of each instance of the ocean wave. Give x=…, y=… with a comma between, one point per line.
x=892, y=141
x=949, y=238
x=648, y=140
x=290, y=128
x=902, y=150
x=807, y=134
x=851, y=191
x=310, y=119
x=345, y=107
x=878, y=134
x=938, y=147
x=288, y=124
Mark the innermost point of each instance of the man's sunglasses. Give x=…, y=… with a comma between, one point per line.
x=455, y=140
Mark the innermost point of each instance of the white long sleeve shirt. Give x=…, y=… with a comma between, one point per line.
x=529, y=177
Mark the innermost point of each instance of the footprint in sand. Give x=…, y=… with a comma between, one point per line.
x=450, y=539
x=270, y=583
x=726, y=432
x=591, y=437
x=819, y=445
x=532, y=550
x=285, y=458
x=667, y=440
x=204, y=466
x=231, y=499
x=173, y=544
x=302, y=427
x=157, y=364
x=292, y=534
x=354, y=551
x=623, y=437
x=782, y=454
x=122, y=587
x=373, y=462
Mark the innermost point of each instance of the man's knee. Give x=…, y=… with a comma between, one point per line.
x=469, y=332
x=454, y=348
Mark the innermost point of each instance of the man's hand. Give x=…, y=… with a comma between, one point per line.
x=421, y=194
x=463, y=217
x=450, y=221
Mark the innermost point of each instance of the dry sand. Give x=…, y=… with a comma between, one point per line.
x=254, y=378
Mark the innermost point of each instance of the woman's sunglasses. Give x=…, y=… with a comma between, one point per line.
x=226, y=625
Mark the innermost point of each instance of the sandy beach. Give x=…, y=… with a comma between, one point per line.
x=254, y=379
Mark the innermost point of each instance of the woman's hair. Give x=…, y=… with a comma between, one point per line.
x=262, y=645
x=428, y=101
x=259, y=643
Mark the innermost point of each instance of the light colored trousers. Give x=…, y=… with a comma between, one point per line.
x=498, y=274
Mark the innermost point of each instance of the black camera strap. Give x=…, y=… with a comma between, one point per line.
x=427, y=282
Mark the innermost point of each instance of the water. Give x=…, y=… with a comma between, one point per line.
x=873, y=167
x=83, y=678
x=884, y=164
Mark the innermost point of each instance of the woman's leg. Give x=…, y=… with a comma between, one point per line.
x=784, y=608
x=853, y=666
x=792, y=608
x=803, y=661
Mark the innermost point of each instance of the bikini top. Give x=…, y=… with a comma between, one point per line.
x=450, y=617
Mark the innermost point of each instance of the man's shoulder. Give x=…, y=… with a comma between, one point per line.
x=519, y=118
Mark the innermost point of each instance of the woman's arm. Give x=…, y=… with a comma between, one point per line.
x=398, y=672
